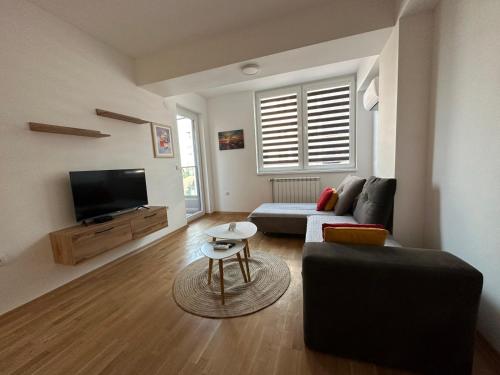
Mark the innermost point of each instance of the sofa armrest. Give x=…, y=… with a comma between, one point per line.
x=399, y=307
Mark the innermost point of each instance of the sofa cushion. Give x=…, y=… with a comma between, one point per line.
x=288, y=218
x=332, y=201
x=302, y=210
x=314, y=232
x=375, y=203
x=349, y=225
x=348, y=190
x=356, y=236
x=323, y=199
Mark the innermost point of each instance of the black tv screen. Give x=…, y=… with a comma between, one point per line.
x=97, y=193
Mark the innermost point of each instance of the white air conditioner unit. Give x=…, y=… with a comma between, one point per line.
x=370, y=99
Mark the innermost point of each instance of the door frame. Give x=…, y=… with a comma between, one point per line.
x=195, y=118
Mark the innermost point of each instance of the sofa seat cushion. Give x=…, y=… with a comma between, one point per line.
x=290, y=218
x=287, y=210
x=314, y=223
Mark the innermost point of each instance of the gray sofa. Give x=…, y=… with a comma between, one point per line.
x=413, y=309
x=301, y=219
x=374, y=205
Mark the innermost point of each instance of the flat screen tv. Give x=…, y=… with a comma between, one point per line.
x=99, y=193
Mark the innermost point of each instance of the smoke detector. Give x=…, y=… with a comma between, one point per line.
x=250, y=69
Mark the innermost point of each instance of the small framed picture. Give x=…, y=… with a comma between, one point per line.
x=231, y=140
x=163, y=141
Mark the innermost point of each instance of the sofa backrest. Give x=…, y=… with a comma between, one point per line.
x=375, y=203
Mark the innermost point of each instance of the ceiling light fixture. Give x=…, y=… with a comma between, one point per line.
x=250, y=69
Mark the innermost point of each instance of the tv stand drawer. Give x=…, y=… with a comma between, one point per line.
x=150, y=222
x=77, y=243
x=90, y=243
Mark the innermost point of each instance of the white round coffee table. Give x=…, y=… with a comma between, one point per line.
x=243, y=231
x=212, y=254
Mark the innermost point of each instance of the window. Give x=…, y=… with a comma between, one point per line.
x=279, y=116
x=306, y=128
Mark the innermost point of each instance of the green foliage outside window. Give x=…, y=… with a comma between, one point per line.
x=189, y=180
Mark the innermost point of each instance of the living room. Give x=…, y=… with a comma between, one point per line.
x=190, y=97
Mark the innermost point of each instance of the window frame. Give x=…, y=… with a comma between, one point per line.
x=301, y=91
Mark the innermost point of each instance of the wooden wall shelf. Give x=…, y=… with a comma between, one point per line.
x=56, y=129
x=118, y=116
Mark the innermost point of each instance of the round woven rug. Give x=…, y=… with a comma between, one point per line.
x=270, y=279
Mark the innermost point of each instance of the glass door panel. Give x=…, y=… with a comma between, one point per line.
x=190, y=162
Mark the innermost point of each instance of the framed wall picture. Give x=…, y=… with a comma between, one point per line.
x=163, y=140
x=231, y=140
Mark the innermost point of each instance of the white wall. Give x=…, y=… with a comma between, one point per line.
x=414, y=76
x=368, y=69
x=237, y=185
x=51, y=72
x=400, y=139
x=463, y=200
x=384, y=147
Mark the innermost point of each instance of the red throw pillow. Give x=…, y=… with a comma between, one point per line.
x=323, y=199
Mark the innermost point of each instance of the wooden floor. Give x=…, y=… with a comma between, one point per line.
x=121, y=319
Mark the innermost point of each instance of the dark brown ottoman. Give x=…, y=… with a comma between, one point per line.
x=407, y=308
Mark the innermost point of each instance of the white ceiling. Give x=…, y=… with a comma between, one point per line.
x=141, y=27
x=409, y=7
x=335, y=57
x=286, y=79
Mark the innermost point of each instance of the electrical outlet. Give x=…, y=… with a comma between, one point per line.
x=3, y=259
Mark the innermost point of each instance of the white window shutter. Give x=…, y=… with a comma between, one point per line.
x=310, y=127
x=328, y=124
x=279, y=130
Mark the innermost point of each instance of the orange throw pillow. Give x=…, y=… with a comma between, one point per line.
x=324, y=198
x=356, y=236
x=330, y=205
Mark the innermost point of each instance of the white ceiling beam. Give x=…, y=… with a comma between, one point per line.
x=329, y=21
x=318, y=55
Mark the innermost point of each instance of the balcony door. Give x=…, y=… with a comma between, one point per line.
x=187, y=126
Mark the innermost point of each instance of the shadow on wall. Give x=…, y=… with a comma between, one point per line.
x=487, y=308
x=59, y=197
x=432, y=236
x=432, y=219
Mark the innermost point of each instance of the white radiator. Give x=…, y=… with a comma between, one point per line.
x=295, y=189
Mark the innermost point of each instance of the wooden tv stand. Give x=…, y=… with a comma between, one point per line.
x=77, y=243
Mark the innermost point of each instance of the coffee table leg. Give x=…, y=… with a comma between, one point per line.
x=247, y=247
x=241, y=267
x=221, y=271
x=210, y=263
x=248, y=269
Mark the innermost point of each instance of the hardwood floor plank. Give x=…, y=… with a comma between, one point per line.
x=122, y=319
